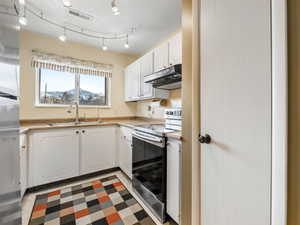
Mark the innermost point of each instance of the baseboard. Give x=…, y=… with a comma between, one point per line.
x=71, y=180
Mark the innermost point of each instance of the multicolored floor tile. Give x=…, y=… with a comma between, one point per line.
x=101, y=202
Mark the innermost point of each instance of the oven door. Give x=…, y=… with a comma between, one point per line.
x=149, y=171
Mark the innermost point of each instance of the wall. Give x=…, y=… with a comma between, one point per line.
x=294, y=112
x=29, y=41
x=156, y=109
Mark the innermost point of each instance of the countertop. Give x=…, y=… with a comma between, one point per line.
x=31, y=126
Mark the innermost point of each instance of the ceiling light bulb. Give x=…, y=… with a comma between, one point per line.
x=23, y=20
x=115, y=9
x=67, y=3
x=63, y=38
x=104, y=48
x=22, y=2
x=116, y=13
x=17, y=27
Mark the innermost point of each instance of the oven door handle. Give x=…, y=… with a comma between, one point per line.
x=148, y=137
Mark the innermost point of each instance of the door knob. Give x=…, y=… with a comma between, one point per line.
x=204, y=139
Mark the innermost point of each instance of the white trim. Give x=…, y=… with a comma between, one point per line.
x=279, y=112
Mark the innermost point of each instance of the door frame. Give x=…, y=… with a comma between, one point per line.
x=279, y=112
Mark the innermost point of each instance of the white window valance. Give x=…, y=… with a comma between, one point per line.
x=68, y=64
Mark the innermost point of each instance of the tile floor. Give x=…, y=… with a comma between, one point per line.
x=29, y=199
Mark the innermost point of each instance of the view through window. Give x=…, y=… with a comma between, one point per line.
x=64, y=88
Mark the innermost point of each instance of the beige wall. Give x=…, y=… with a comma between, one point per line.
x=29, y=41
x=156, y=109
x=294, y=113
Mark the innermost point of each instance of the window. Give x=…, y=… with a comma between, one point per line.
x=64, y=88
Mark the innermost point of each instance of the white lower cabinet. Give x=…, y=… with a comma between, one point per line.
x=98, y=149
x=53, y=155
x=58, y=154
x=173, y=179
x=125, y=150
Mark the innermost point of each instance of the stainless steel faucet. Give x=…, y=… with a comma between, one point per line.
x=76, y=112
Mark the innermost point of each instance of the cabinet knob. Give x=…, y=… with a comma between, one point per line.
x=83, y=131
x=77, y=132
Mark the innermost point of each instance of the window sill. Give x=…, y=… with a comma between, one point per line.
x=67, y=106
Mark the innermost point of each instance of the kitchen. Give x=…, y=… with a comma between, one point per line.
x=143, y=112
x=87, y=113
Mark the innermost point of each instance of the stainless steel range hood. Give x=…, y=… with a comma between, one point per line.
x=168, y=79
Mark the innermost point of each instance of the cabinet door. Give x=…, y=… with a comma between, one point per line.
x=23, y=163
x=135, y=80
x=173, y=179
x=132, y=81
x=127, y=83
x=146, y=63
x=53, y=156
x=175, y=49
x=161, y=57
x=98, y=149
x=125, y=151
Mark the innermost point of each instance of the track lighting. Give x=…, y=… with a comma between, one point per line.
x=22, y=2
x=63, y=37
x=104, y=47
x=126, y=45
x=22, y=19
x=114, y=8
x=67, y=3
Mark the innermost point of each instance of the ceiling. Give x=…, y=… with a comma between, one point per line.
x=153, y=21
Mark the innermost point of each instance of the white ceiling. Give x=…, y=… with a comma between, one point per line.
x=154, y=21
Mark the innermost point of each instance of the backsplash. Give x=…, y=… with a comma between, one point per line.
x=156, y=109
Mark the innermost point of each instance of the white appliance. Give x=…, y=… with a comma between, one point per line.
x=10, y=195
x=173, y=117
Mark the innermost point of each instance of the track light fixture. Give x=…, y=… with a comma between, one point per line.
x=22, y=2
x=63, y=37
x=104, y=47
x=67, y=3
x=114, y=8
x=22, y=19
x=126, y=45
x=25, y=8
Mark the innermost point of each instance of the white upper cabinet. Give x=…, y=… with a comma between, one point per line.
x=146, y=63
x=132, y=82
x=165, y=55
x=175, y=49
x=135, y=87
x=161, y=57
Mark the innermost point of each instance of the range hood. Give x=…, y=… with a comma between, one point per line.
x=167, y=79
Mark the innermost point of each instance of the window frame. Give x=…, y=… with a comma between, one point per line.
x=77, y=85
